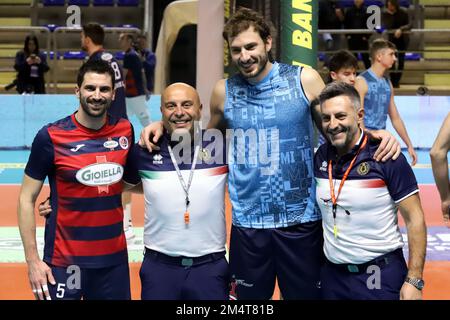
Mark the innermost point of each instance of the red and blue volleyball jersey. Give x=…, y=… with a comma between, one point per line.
x=85, y=169
x=118, y=107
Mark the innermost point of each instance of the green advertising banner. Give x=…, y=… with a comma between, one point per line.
x=299, y=40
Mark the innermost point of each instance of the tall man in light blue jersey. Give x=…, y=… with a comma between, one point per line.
x=377, y=93
x=276, y=232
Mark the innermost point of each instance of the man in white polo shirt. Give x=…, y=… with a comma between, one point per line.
x=359, y=198
x=184, y=188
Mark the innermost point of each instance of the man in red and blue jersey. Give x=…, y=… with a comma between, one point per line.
x=83, y=156
x=92, y=38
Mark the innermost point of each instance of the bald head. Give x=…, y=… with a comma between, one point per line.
x=181, y=87
x=180, y=107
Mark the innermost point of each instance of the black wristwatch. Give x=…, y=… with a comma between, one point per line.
x=416, y=282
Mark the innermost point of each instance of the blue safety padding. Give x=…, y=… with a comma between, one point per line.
x=128, y=3
x=350, y=3
x=379, y=3
x=103, y=2
x=74, y=55
x=53, y=2
x=83, y=3
x=128, y=26
x=119, y=55
x=51, y=27
x=413, y=56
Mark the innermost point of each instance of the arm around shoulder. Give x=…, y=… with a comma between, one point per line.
x=312, y=83
x=217, y=103
x=362, y=88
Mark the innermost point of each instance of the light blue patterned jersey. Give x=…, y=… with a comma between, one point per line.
x=376, y=101
x=270, y=156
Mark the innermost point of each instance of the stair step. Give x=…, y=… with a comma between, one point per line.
x=26, y=22
x=11, y=45
x=8, y=53
x=436, y=79
x=437, y=23
x=434, y=2
x=443, y=53
x=427, y=65
x=15, y=2
x=7, y=77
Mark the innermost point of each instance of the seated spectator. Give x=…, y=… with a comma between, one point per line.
x=31, y=64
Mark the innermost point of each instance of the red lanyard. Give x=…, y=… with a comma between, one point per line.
x=334, y=198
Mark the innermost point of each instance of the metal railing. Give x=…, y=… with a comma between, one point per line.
x=384, y=34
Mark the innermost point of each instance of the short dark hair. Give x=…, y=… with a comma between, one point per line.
x=95, y=32
x=243, y=19
x=339, y=88
x=128, y=36
x=380, y=44
x=342, y=59
x=95, y=66
x=395, y=3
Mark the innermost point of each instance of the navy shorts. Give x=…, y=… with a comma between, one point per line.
x=73, y=283
x=379, y=279
x=293, y=255
x=180, y=278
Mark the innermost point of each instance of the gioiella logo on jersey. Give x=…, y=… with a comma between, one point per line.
x=100, y=174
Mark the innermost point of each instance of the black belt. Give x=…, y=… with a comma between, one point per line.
x=381, y=261
x=184, y=261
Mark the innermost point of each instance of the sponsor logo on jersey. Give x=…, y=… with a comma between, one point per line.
x=363, y=169
x=323, y=167
x=123, y=141
x=204, y=155
x=106, y=56
x=78, y=147
x=157, y=159
x=241, y=282
x=111, y=144
x=100, y=174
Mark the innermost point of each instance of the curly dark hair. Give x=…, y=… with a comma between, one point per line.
x=243, y=19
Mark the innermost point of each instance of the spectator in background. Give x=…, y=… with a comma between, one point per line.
x=148, y=61
x=377, y=93
x=135, y=88
x=356, y=18
x=330, y=17
x=343, y=66
x=31, y=64
x=396, y=20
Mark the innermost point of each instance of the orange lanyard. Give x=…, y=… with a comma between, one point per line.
x=334, y=198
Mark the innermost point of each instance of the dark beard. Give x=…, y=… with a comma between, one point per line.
x=84, y=105
x=261, y=66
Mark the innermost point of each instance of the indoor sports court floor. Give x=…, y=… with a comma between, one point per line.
x=13, y=269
